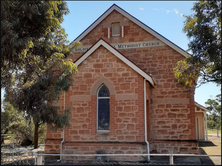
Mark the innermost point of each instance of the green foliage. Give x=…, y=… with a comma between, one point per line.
x=214, y=118
x=14, y=122
x=213, y=131
x=203, y=28
x=30, y=26
x=24, y=21
x=37, y=97
x=186, y=73
x=35, y=68
x=10, y=118
x=42, y=133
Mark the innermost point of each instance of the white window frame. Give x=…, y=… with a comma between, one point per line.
x=97, y=110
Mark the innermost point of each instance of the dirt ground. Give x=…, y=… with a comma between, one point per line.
x=212, y=148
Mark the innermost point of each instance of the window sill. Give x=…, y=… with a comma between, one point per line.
x=116, y=35
x=103, y=132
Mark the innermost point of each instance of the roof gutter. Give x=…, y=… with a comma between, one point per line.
x=145, y=122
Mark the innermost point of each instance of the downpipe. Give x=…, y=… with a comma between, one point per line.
x=62, y=132
x=145, y=122
x=61, y=144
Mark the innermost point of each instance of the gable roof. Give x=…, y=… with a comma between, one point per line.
x=136, y=21
x=103, y=43
x=201, y=107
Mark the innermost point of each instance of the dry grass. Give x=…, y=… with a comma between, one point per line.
x=213, y=131
x=7, y=141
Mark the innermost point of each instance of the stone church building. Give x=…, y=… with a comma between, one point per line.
x=125, y=99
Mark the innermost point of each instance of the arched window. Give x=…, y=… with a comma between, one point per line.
x=103, y=108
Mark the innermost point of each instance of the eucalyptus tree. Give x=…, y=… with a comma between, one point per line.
x=10, y=119
x=35, y=68
x=214, y=118
x=203, y=28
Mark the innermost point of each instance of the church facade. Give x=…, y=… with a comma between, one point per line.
x=125, y=99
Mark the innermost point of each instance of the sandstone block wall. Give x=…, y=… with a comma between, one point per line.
x=126, y=103
x=174, y=147
x=172, y=113
x=108, y=148
x=170, y=106
x=52, y=146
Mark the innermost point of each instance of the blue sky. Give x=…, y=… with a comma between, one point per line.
x=165, y=17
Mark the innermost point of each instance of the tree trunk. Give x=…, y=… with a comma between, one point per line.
x=217, y=132
x=36, y=136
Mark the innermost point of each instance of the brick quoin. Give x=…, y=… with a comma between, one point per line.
x=170, y=107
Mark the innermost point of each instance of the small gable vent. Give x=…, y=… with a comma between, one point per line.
x=116, y=29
